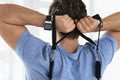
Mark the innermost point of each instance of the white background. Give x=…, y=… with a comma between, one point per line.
x=12, y=68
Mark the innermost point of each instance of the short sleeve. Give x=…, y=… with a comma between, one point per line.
x=32, y=50
x=108, y=47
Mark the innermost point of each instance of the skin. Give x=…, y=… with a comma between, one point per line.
x=13, y=19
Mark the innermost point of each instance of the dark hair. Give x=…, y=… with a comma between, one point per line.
x=76, y=9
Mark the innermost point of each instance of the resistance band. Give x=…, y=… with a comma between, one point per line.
x=54, y=43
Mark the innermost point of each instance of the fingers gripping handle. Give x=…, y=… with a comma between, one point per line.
x=97, y=17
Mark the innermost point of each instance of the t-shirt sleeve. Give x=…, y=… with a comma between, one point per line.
x=108, y=47
x=32, y=50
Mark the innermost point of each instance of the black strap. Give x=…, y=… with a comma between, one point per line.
x=81, y=34
x=87, y=38
x=53, y=34
x=53, y=48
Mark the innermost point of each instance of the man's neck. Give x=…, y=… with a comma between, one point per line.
x=70, y=45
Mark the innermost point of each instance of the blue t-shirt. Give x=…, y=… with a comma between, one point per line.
x=35, y=55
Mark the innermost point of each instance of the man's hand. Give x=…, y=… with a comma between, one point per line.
x=87, y=24
x=64, y=24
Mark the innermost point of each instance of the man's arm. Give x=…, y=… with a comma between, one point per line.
x=13, y=19
x=111, y=24
x=11, y=33
x=18, y=15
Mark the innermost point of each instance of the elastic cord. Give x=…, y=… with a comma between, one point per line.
x=98, y=63
x=53, y=48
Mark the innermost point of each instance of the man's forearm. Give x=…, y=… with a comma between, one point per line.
x=112, y=22
x=18, y=15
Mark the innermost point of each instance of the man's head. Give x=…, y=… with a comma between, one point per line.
x=76, y=9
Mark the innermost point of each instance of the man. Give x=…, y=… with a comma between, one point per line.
x=72, y=61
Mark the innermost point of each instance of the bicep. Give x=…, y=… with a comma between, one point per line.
x=116, y=36
x=11, y=33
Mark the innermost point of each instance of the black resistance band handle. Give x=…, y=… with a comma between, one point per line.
x=51, y=69
x=97, y=16
x=98, y=69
